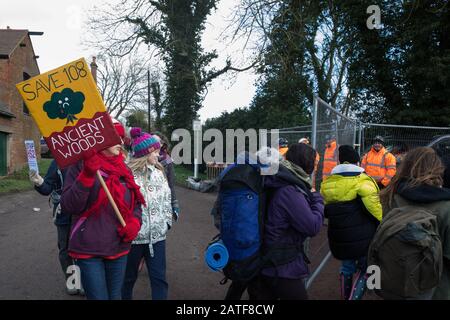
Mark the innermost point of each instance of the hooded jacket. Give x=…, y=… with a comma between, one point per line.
x=294, y=213
x=436, y=200
x=353, y=208
x=346, y=183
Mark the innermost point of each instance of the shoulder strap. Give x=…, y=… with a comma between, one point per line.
x=60, y=177
x=307, y=195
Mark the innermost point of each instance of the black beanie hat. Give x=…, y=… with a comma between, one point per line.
x=348, y=154
x=302, y=155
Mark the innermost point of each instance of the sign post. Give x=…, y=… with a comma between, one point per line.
x=197, y=126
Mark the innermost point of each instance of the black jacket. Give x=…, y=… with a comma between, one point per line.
x=350, y=229
x=53, y=183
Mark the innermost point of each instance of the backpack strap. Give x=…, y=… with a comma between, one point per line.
x=308, y=195
x=214, y=239
x=60, y=177
x=279, y=254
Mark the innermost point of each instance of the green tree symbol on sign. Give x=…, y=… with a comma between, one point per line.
x=65, y=105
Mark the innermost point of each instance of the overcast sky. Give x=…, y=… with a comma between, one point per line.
x=62, y=22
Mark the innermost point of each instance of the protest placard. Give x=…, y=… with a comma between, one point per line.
x=71, y=115
x=31, y=156
x=69, y=111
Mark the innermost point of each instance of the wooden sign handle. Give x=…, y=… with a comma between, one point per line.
x=110, y=198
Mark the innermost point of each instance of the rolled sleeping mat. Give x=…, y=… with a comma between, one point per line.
x=216, y=256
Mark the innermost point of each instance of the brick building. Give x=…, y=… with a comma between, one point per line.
x=17, y=63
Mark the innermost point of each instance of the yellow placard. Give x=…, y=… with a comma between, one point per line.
x=38, y=92
x=69, y=111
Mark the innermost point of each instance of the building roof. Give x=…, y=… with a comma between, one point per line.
x=10, y=40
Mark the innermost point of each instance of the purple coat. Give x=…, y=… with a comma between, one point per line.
x=292, y=216
x=97, y=235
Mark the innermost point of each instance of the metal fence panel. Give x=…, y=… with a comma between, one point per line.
x=330, y=124
x=294, y=134
x=400, y=136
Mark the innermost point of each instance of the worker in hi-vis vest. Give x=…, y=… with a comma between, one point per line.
x=283, y=146
x=330, y=157
x=379, y=163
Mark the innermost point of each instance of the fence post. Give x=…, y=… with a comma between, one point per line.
x=361, y=138
x=318, y=270
x=336, y=130
x=314, y=145
x=314, y=123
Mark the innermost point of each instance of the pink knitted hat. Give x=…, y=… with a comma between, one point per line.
x=143, y=143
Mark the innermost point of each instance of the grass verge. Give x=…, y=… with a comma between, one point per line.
x=19, y=181
x=182, y=173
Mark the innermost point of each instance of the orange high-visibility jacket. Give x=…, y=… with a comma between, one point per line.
x=381, y=165
x=330, y=159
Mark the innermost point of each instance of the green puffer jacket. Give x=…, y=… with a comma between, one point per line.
x=346, y=183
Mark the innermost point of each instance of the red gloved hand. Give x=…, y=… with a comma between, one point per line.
x=91, y=163
x=130, y=231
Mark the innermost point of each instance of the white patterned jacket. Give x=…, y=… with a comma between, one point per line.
x=157, y=215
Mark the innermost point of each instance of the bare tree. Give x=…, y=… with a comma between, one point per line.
x=314, y=32
x=175, y=29
x=252, y=21
x=122, y=82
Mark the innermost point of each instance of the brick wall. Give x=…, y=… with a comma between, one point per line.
x=23, y=126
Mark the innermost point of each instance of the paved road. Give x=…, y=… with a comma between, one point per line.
x=29, y=267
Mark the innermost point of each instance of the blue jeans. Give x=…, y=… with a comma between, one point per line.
x=349, y=267
x=102, y=279
x=156, y=267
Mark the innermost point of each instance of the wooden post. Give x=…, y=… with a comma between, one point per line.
x=111, y=200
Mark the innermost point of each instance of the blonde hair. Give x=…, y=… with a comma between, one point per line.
x=137, y=164
x=421, y=165
x=140, y=164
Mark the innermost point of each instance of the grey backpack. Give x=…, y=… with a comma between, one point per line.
x=408, y=250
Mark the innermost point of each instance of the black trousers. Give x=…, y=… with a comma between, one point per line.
x=65, y=260
x=271, y=288
x=237, y=289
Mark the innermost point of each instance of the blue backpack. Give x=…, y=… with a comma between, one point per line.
x=242, y=204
